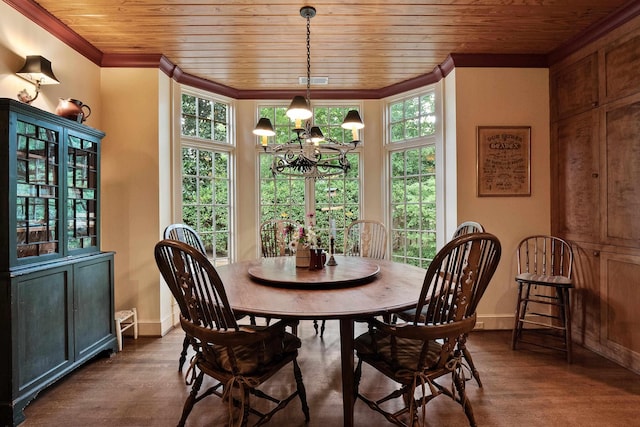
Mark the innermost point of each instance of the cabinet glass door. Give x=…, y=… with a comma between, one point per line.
x=37, y=190
x=82, y=189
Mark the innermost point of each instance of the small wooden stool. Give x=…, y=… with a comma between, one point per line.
x=124, y=320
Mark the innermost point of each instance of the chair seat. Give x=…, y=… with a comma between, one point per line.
x=253, y=358
x=544, y=280
x=401, y=356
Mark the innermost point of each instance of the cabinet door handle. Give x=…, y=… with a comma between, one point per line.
x=594, y=175
x=596, y=253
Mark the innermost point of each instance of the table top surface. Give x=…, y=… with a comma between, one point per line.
x=394, y=287
x=282, y=272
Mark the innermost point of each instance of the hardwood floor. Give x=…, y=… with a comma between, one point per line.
x=141, y=386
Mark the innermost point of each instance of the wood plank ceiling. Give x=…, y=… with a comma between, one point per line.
x=357, y=44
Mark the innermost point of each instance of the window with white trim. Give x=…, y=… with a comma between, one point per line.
x=206, y=151
x=413, y=133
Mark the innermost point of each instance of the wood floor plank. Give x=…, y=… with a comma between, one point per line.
x=141, y=386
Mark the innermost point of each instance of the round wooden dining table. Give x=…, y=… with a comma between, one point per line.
x=355, y=288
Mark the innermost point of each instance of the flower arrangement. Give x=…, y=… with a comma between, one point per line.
x=305, y=236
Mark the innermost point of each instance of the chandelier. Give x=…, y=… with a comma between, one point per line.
x=309, y=153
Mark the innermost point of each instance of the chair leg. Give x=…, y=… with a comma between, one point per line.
x=356, y=378
x=119, y=334
x=245, y=413
x=322, y=328
x=464, y=400
x=315, y=326
x=302, y=392
x=521, y=312
x=566, y=316
x=462, y=346
x=183, y=354
x=191, y=400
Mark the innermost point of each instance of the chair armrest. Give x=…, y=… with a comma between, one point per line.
x=425, y=332
x=245, y=335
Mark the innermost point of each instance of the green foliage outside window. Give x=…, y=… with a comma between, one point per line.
x=205, y=197
x=413, y=118
x=413, y=181
x=206, y=183
x=204, y=118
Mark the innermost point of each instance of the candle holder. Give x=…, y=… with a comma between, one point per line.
x=332, y=260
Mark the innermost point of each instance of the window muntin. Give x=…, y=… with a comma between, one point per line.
x=206, y=171
x=412, y=178
x=204, y=118
x=413, y=117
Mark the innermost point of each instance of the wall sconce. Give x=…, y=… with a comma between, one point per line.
x=37, y=70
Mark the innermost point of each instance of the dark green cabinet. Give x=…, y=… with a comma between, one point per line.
x=56, y=286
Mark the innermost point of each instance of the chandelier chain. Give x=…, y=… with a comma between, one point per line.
x=309, y=60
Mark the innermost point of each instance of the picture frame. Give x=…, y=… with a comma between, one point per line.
x=503, y=165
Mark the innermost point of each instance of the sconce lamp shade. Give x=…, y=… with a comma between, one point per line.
x=37, y=70
x=264, y=128
x=352, y=120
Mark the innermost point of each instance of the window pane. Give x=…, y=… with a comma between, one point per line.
x=204, y=118
x=412, y=180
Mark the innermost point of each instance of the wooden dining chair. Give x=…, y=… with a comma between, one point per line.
x=468, y=227
x=464, y=228
x=186, y=234
x=545, y=265
x=366, y=238
x=239, y=357
x=276, y=235
x=417, y=353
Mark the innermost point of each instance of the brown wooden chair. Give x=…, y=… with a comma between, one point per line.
x=466, y=227
x=239, y=357
x=186, y=234
x=545, y=265
x=415, y=354
x=276, y=235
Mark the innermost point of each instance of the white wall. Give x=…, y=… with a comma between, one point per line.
x=503, y=96
x=79, y=77
x=136, y=188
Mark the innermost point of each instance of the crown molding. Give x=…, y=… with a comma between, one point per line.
x=627, y=12
x=53, y=25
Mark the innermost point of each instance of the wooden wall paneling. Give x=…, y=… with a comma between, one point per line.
x=621, y=61
x=604, y=227
x=585, y=297
x=621, y=168
x=620, y=289
x=576, y=149
x=575, y=88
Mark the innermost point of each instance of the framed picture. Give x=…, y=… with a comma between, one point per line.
x=504, y=161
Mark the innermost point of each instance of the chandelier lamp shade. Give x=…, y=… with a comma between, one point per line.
x=309, y=153
x=37, y=70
